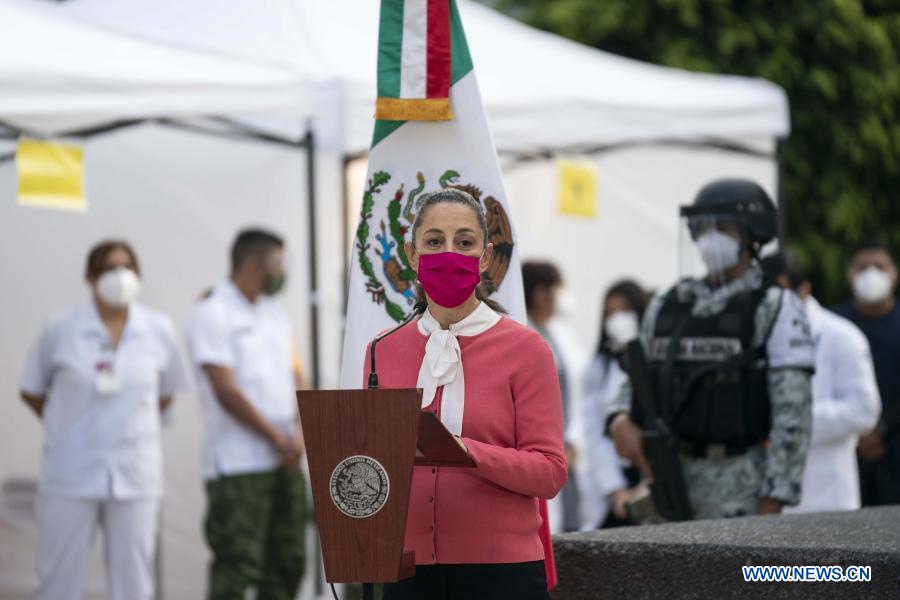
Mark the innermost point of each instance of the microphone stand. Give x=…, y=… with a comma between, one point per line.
x=417, y=310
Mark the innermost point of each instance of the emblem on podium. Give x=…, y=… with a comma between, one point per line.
x=359, y=486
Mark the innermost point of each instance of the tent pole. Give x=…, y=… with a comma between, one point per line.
x=310, y=143
x=540, y=154
x=780, y=196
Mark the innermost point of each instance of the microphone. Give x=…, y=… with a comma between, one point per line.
x=418, y=309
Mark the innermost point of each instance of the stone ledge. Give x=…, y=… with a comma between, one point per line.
x=703, y=559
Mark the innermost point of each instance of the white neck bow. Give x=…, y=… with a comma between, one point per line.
x=442, y=364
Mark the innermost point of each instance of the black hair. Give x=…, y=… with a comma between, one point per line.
x=786, y=263
x=871, y=245
x=636, y=298
x=253, y=242
x=537, y=274
x=455, y=196
x=96, y=260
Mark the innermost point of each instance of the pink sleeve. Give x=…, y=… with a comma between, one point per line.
x=537, y=466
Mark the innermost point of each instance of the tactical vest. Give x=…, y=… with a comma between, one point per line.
x=710, y=384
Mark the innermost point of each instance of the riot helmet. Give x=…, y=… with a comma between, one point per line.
x=728, y=218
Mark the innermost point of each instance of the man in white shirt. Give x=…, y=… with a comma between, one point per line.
x=241, y=344
x=846, y=403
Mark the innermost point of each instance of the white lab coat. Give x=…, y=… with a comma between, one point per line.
x=845, y=405
x=102, y=456
x=599, y=469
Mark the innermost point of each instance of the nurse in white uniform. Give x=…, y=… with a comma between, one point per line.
x=99, y=376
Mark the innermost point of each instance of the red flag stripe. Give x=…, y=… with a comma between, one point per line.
x=438, y=66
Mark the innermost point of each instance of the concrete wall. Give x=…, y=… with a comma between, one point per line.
x=703, y=559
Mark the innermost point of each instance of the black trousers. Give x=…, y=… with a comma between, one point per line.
x=878, y=482
x=513, y=581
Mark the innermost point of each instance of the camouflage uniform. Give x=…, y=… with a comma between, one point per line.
x=256, y=528
x=732, y=486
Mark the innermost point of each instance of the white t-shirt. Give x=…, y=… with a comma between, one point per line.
x=101, y=415
x=255, y=341
x=790, y=344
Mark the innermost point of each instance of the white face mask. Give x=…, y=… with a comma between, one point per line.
x=719, y=251
x=871, y=285
x=621, y=327
x=118, y=287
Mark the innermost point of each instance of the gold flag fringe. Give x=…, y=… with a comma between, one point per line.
x=413, y=109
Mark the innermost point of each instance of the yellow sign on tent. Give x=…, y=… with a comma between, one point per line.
x=577, y=188
x=51, y=174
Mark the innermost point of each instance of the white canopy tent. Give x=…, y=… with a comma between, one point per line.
x=541, y=91
x=545, y=97
x=59, y=75
x=288, y=69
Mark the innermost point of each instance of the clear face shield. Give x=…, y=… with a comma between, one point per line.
x=711, y=247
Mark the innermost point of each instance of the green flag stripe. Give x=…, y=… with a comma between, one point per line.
x=384, y=129
x=459, y=55
x=390, y=48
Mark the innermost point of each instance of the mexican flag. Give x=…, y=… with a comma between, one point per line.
x=430, y=133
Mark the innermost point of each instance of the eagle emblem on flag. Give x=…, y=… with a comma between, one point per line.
x=389, y=278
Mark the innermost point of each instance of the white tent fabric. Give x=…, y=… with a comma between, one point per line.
x=541, y=91
x=59, y=74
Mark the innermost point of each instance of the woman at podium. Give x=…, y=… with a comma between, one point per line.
x=493, y=384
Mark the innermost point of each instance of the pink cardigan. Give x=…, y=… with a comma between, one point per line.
x=512, y=426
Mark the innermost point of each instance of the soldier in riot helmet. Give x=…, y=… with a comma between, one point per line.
x=729, y=357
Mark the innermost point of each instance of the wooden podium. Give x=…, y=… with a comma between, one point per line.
x=361, y=446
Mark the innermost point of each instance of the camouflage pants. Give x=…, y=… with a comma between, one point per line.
x=256, y=530
x=726, y=487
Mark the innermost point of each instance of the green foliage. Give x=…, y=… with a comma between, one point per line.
x=838, y=60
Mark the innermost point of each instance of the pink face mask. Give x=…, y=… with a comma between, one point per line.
x=449, y=278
